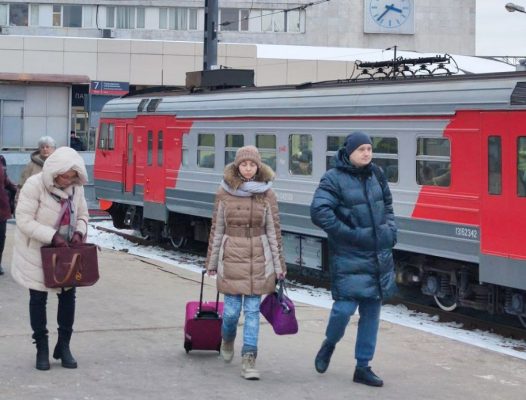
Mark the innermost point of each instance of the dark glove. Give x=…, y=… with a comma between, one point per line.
x=58, y=241
x=77, y=238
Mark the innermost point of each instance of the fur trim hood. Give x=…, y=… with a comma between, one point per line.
x=61, y=161
x=232, y=178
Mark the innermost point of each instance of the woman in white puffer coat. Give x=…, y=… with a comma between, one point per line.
x=51, y=209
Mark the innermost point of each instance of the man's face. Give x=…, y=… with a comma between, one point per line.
x=362, y=155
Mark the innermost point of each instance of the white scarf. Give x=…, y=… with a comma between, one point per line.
x=247, y=189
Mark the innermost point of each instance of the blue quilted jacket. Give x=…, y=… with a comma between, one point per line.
x=356, y=211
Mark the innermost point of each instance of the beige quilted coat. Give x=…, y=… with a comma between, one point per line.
x=245, y=240
x=37, y=212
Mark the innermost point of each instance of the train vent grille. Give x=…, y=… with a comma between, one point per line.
x=152, y=105
x=518, y=96
x=142, y=104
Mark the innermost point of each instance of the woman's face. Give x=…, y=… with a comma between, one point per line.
x=248, y=169
x=46, y=150
x=66, y=179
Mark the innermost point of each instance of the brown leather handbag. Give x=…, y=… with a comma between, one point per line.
x=70, y=266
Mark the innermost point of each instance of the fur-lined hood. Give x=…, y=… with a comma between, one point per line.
x=232, y=178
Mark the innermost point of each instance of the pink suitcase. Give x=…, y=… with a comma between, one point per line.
x=202, y=328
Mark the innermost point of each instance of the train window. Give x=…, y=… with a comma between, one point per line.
x=232, y=143
x=433, y=162
x=385, y=155
x=266, y=145
x=130, y=149
x=111, y=136
x=142, y=104
x=494, y=165
x=160, y=148
x=206, y=150
x=103, y=136
x=185, y=155
x=300, y=154
x=334, y=143
x=521, y=166
x=150, y=148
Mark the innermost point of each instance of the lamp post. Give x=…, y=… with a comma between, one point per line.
x=514, y=7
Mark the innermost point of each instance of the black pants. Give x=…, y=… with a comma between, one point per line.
x=2, y=238
x=65, y=313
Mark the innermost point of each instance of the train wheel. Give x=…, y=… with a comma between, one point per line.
x=522, y=320
x=178, y=242
x=448, y=303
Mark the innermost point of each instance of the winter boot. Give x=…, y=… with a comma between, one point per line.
x=227, y=350
x=42, y=362
x=366, y=376
x=1, y=270
x=63, y=352
x=323, y=358
x=249, y=370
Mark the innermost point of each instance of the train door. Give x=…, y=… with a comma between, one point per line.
x=154, y=182
x=129, y=160
x=503, y=205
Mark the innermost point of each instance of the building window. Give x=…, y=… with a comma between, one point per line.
x=110, y=17
x=192, y=19
x=18, y=14
x=494, y=165
x=273, y=21
x=125, y=18
x=521, y=166
x=57, y=15
x=232, y=143
x=72, y=16
x=3, y=14
x=243, y=23
x=206, y=150
x=300, y=154
x=229, y=19
x=433, y=162
x=33, y=15
x=267, y=148
x=293, y=21
x=160, y=148
x=178, y=18
x=141, y=17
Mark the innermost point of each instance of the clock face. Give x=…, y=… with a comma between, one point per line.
x=390, y=14
x=395, y=17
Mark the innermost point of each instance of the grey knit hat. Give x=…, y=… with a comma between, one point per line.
x=247, y=153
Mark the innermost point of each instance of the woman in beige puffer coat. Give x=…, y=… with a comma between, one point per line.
x=51, y=209
x=245, y=250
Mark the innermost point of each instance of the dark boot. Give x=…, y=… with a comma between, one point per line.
x=65, y=319
x=1, y=270
x=366, y=376
x=42, y=354
x=63, y=352
x=323, y=358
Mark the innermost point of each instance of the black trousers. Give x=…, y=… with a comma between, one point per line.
x=65, y=313
x=2, y=238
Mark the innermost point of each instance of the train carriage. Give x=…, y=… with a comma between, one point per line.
x=453, y=149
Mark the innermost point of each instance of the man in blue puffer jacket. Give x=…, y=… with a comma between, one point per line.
x=353, y=205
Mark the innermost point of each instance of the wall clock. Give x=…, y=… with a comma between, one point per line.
x=389, y=16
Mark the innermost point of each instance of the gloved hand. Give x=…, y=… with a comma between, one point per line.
x=58, y=241
x=76, y=239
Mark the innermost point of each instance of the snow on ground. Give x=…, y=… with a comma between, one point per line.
x=320, y=297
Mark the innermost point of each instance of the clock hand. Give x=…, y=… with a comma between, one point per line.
x=387, y=9
x=392, y=7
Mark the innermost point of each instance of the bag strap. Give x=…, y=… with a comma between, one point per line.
x=76, y=258
x=380, y=176
x=281, y=290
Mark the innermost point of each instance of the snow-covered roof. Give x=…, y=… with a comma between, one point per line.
x=467, y=64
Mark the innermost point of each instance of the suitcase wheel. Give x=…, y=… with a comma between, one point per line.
x=187, y=346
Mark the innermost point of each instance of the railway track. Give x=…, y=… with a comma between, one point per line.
x=501, y=325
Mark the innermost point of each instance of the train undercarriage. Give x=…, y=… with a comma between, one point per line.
x=451, y=283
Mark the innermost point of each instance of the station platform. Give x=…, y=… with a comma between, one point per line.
x=128, y=342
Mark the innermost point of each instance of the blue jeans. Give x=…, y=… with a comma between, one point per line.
x=341, y=313
x=231, y=313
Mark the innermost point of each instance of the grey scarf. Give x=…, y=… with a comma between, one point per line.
x=247, y=189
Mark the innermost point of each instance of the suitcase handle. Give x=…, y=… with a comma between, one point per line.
x=203, y=272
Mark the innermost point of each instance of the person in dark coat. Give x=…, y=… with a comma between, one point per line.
x=7, y=192
x=353, y=205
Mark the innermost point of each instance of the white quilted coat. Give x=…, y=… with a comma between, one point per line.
x=37, y=213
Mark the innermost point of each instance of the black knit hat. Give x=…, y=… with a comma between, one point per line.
x=355, y=140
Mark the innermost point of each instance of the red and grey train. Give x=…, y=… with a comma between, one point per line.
x=453, y=149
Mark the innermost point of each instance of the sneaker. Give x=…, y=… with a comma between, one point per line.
x=366, y=376
x=323, y=358
x=249, y=370
x=227, y=350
